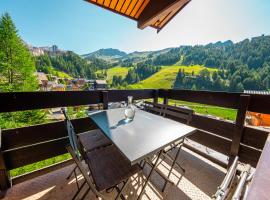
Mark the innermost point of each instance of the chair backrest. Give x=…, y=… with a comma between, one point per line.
x=154, y=108
x=181, y=114
x=71, y=134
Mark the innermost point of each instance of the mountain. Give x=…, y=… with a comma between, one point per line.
x=110, y=55
x=115, y=56
x=244, y=65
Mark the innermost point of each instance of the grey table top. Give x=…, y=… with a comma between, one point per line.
x=145, y=135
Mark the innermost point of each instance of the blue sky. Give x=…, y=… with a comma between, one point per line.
x=82, y=27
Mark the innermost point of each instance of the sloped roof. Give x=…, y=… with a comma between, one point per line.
x=154, y=13
x=41, y=77
x=257, y=92
x=101, y=81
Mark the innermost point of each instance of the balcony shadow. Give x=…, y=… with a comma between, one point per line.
x=201, y=173
x=55, y=186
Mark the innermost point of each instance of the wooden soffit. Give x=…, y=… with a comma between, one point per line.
x=154, y=13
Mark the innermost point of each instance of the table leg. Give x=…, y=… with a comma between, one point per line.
x=149, y=175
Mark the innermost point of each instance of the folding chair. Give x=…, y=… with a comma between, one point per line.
x=89, y=141
x=183, y=115
x=108, y=167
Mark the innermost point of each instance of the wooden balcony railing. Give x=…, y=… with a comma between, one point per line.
x=23, y=146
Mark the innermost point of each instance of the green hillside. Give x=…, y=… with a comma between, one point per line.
x=166, y=76
x=115, y=71
x=58, y=73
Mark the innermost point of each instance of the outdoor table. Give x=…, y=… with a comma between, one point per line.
x=146, y=135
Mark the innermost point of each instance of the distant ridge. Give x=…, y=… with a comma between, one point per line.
x=109, y=52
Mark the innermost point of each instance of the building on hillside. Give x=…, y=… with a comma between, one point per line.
x=72, y=87
x=54, y=79
x=54, y=48
x=58, y=87
x=50, y=85
x=254, y=118
x=67, y=81
x=42, y=81
x=37, y=51
x=100, y=85
x=263, y=92
x=80, y=82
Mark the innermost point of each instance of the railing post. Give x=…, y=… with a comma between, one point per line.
x=166, y=99
x=105, y=99
x=155, y=96
x=239, y=126
x=4, y=176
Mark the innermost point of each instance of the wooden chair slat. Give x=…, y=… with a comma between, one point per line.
x=180, y=109
x=176, y=114
x=154, y=109
x=93, y=139
x=109, y=167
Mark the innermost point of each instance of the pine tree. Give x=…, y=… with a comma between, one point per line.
x=178, y=81
x=16, y=63
x=193, y=87
x=17, y=70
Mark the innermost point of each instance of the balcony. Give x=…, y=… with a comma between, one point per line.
x=204, y=171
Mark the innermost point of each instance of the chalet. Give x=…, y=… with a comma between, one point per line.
x=42, y=80
x=58, y=87
x=80, y=82
x=73, y=87
x=100, y=85
x=258, y=119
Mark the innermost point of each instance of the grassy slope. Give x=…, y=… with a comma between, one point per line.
x=62, y=75
x=58, y=73
x=166, y=76
x=118, y=71
x=224, y=113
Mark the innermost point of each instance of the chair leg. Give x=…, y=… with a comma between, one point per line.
x=76, y=179
x=182, y=168
x=149, y=175
x=78, y=191
x=70, y=174
x=122, y=189
x=85, y=193
x=174, y=162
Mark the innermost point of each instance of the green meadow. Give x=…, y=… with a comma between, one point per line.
x=166, y=77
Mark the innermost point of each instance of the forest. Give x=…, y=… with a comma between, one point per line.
x=69, y=63
x=241, y=66
x=245, y=65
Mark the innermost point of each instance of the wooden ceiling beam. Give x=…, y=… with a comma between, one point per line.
x=156, y=8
